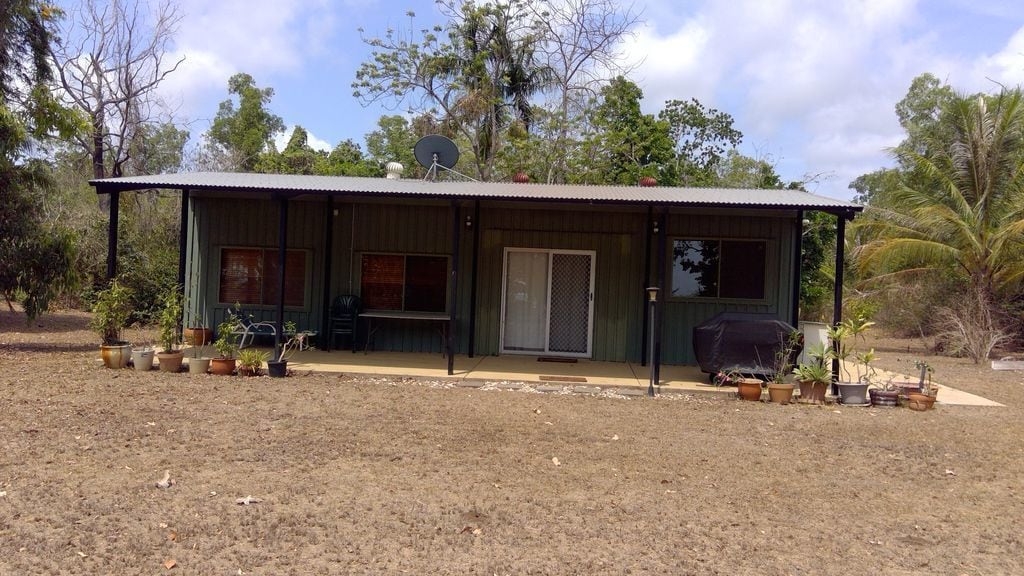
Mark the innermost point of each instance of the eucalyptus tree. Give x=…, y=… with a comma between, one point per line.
x=110, y=59
x=242, y=134
x=478, y=79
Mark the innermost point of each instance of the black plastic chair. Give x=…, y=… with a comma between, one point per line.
x=345, y=320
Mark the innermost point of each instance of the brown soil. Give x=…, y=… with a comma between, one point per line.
x=360, y=475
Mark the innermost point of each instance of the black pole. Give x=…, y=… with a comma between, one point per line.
x=837, y=302
x=453, y=297
x=798, y=256
x=659, y=311
x=472, y=277
x=325, y=316
x=115, y=204
x=648, y=232
x=282, y=242
x=182, y=251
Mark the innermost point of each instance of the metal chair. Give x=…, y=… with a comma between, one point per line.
x=344, y=319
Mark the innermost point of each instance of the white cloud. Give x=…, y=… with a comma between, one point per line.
x=281, y=140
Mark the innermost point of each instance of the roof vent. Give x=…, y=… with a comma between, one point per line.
x=648, y=181
x=394, y=170
x=521, y=178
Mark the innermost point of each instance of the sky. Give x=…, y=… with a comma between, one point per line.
x=811, y=84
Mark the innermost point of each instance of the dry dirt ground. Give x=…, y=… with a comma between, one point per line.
x=377, y=476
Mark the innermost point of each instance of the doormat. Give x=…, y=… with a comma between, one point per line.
x=559, y=360
x=562, y=379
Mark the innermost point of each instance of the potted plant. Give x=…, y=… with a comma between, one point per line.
x=170, y=356
x=780, y=388
x=142, y=357
x=110, y=315
x=746, y=388
x=924, y=398
x=279, y=368
x=815, y=376
x=250, y=362
x=198, y=337
x=856, y=372
x=226, y=346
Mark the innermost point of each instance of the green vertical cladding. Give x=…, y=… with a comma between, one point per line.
x=221, y=222
x=615, y=235
x=682, y=315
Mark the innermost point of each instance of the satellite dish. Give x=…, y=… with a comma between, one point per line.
x=436, y=152
x=436, y=149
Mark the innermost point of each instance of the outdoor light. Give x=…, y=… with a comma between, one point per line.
x=469, y=221
x=652, y=299
x=655, y=231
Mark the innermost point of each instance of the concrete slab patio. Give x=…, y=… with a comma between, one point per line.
x=583, y=374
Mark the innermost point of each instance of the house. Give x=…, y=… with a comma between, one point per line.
x=488, y=268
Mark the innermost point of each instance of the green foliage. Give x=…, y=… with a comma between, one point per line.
x=734, y=171
x=702, y=135
x=817, y=265
x=252, y=360
x=247, y=131
x=170, y=318
x=393, y=141
x=227, y=341
x=480, y=77
x=111, y=312
x=624, y=144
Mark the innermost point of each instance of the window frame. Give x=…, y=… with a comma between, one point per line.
x=306, y=280
x=358, y=265
x=766, y=242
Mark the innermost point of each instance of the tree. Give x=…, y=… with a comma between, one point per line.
x=481, y=78
x=622, y=143
x=738, y=171
x=245, y=132
x=580, y=40
x=109, y=62
x=701, y=136
x=968, y=217
x=393, y=141
x=34, y=258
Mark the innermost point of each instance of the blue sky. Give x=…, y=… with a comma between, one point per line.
x=811, y=85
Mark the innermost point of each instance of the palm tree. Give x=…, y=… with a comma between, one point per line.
x=961, y=208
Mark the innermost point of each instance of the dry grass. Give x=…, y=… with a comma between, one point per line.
x=389, y=476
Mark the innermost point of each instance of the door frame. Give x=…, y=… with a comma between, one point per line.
x=547, y=303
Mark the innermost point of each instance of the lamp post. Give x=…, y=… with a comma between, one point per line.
x=652, y=302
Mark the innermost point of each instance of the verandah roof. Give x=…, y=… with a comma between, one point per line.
x=288, y=184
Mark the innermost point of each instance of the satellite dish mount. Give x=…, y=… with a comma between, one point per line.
x=435, y=153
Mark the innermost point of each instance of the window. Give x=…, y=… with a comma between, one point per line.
x=404, y=282
x=251, y=276
x=718, y=269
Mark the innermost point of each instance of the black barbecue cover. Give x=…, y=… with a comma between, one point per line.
x=740, y=341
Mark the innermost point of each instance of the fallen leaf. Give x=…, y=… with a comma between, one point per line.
x=163, y=525
x=950, y=472
x=166, y=481
x=549, y=423
x=3, y=493
x=150, y=423
x=170, y=563
x=173, y=536
x=477, y=531
x=616, y=437
x=556, y=462
x=537, y=411
x=82, y=554
x=247, y=501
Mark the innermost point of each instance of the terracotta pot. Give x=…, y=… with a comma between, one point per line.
x=222, y=366
x=884, y=397
x=813, y=392
x=920, y=402
x=170, y=361
x=198, y=365
x=198, y=336
x=116, y=356
x=749, y=389
x=780, y=393
x=903, y=389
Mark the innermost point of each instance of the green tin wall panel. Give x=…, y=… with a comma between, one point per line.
x=682, y=315
x=216, y=223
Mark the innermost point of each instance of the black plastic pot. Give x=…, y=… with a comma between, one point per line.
x=277, y=369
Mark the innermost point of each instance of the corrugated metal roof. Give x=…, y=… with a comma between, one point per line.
x=658, y=195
